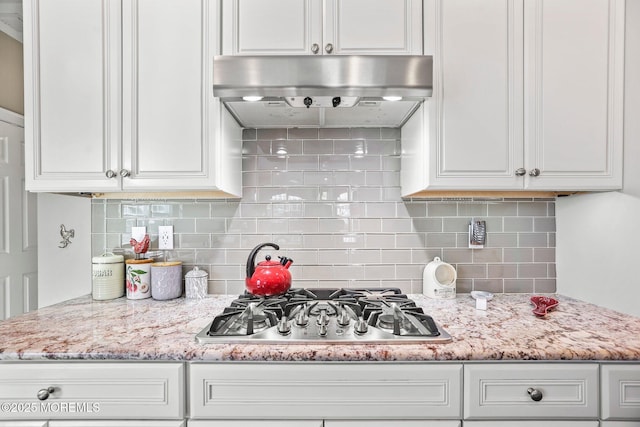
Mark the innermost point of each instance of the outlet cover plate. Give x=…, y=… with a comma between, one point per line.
x=165, y=237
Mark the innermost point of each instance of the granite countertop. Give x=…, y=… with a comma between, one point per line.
x=124, y=329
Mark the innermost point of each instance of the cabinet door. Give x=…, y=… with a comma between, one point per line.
x=475, y=140
x=271, y=27
x=399, y=423
x=253, y=423
x=372, y=27
x=574, y=60
x=620, y=394
x=535, y=391
x=169, y=111
x=72, y=94
x=520, y=423
x=325, y=390
x=107, y=391
x=111, y=423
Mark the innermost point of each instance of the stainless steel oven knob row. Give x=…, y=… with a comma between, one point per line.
x=283, y=326
x=361, y=326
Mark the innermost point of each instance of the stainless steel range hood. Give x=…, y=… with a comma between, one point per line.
x=325, y=91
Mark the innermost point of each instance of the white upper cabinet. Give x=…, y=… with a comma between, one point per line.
x=120, y=98
x=527, y=96
x=574, y=78
x=72, y=93
x=322, y=27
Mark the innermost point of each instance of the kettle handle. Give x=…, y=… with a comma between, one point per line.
x=251, y=268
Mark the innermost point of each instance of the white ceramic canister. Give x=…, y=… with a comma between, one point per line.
x=439, y=280
x=107, y=276
x=195, y=283
x=166, y=280
x=138, y=274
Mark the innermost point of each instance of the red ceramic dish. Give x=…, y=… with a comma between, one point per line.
x=543, y=305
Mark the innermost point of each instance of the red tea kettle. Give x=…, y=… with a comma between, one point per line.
x=268, y=277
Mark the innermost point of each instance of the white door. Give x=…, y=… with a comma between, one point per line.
x=476, y=140
x=72, y=94
x=170, y=118
x=372, y=27
x=18, y=238
x=275, y=27
x=574, y=66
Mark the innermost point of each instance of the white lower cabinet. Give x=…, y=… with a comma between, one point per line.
x=335, y=391
x=620, y=394
x=518, y=423
x=520, y=391
x=93, y=391
x=111, y=423
x=23, y=424
x=247, y=423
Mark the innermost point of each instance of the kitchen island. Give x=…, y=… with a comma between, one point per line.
x=136, y=363
x=124, y=329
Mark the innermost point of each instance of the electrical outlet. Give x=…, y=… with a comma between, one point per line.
x=165, y=237
x=138, y=233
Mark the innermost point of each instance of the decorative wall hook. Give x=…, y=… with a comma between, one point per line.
x=66, y=236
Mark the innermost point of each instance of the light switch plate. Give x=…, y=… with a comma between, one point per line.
x=165, y=237
x=138, y=233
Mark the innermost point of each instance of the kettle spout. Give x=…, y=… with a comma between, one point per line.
x=286, y=262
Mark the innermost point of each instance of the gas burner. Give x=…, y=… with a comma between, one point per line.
x=367, y=315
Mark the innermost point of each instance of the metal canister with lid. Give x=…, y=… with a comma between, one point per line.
x=195, y=282
x=107, y=276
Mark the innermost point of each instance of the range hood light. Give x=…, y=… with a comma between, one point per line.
x=252, y=98
x=392, y=98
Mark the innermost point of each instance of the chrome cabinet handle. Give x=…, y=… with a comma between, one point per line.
x=110, y=174
x=521, y=171
x=535, y=394
x=124, y=173
x=534, y=172
x=315, y=48
x=328, y=48
x=45, y=393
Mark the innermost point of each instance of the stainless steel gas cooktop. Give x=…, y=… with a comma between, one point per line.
x=311, y=316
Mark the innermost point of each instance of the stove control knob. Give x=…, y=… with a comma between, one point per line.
x=322, y=319
x=302, y=318
x=283, y=326
x=361, y=327
x=343, y=318
x=322, y=330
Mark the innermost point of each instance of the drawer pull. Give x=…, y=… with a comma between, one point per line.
x=535, y=394
x=45, y=393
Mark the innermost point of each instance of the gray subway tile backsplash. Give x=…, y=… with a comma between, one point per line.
x=331, y=199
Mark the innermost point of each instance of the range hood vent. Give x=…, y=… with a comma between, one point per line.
x=325, y=91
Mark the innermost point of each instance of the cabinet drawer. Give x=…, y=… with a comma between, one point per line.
x=518, y=423
x=248, y=423
x=502, y=391
x=621, y=392
x=23, y=424
x=111, y=423
x=86, y=390
x=325, y=390
x=394, y=423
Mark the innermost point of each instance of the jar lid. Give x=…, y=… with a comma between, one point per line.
x=166, y=264
x=107, y=258
x=139, y=261
x=196, y=273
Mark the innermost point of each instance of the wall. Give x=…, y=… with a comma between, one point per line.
x=331, y=199
x=598, y=234
x=11, y=74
